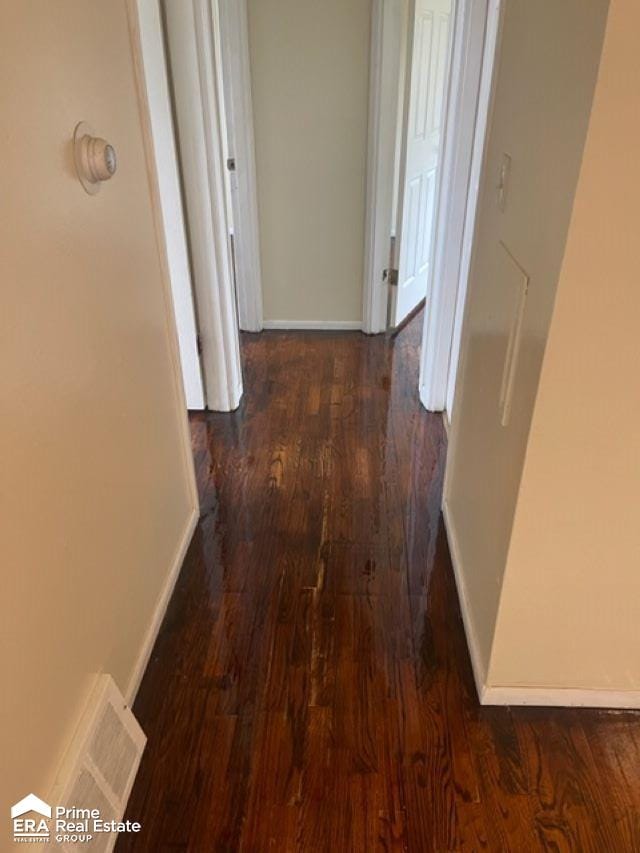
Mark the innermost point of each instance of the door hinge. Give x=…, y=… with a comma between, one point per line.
x=199, y=344
x=391, y=277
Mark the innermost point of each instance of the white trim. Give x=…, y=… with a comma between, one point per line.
x=161, y=608
x=191, y=53
x=154, y=69
x=451, y=198
x=561, y=697
x=236, y=78
x=478, y=665
x=472, y=66
x=384, y=77
x=320, y=325
x=156, y=206
x=485, y=100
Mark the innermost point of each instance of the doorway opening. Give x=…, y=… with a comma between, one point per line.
x=196, y=69
x=431, y=70
x=432, y=65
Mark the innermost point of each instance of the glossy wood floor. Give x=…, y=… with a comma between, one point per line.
x=311, y=688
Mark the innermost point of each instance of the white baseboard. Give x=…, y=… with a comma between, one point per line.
x=478, y=665
x=446, y=422
x=561, y=697
x=314, y=325
x=160, y=608
x=557, y=697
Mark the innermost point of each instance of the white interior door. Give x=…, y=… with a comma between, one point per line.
x=428, y=66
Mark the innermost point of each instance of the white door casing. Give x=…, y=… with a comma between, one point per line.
x=384, y=84
x=168, y=177
x=475, y=36
x=453, y=197
x=191, y=51
x=428, y=66
x=476, y=157
x=236, y=74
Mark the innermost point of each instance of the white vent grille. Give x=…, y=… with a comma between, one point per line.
x=113, y=751
x=102, y=762
x=86, y=793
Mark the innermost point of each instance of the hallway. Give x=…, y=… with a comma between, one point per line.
x=310, y=689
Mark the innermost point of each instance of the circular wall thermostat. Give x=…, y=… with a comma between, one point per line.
x=95, y=159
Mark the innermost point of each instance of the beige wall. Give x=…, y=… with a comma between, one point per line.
x=309, y=70
x=570, y=609
x=96, y=485
x=545, y=78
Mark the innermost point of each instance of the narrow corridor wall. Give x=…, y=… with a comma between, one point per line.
x=545, y=77
x=570, y=608
x=97, y=492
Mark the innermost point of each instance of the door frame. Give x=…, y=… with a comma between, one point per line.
x=476, y=32
x=384, y=103
x=140, y=16
x=236, y=79
x=493, y=31
x=152, y=60
x=471, y=68
x=190, y=36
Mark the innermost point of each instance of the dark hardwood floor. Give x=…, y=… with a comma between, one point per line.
x=310, y=689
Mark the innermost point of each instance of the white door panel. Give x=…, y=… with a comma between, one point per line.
x=426, y=85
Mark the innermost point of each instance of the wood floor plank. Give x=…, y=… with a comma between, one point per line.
x=310, y=689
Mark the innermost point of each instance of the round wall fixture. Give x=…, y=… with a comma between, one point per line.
x=95, y=158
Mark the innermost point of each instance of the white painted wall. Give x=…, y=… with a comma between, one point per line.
x=155, y=70
x=570, y=607
x=97, y=495
x=546, y=75
x=310, y=84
